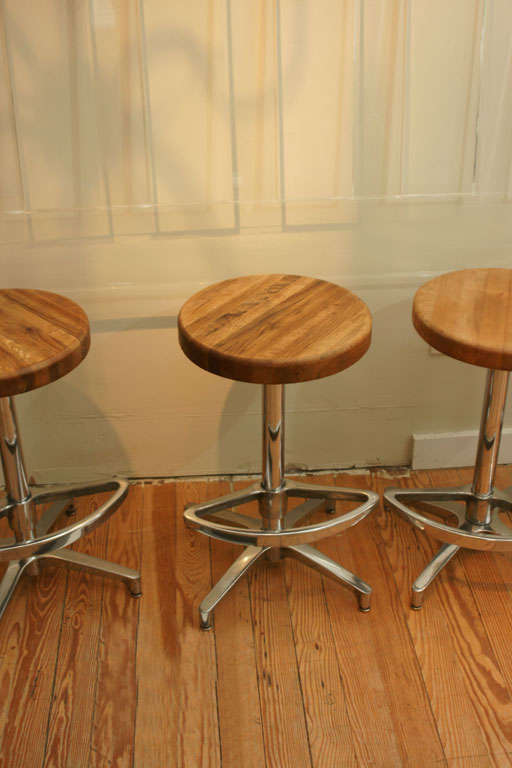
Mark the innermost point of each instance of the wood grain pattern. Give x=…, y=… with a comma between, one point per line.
x=274, y=329
x=177, y=717
x=382, y=678
x=490, y=581
x=157, y=659
x=73, y=701
x=331, y=736
x=292, y=675
x=452, y=706
x=282, y=707
x=237, y=684
x=198, y=726
x=469, y=696
x=43, y=336
x=197, y=715
x=468, y=315
x=29, y=643
x=115, y=701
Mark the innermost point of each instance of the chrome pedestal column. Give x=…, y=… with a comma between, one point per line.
x=33, y=541
x=479, y=525
x=276, y=536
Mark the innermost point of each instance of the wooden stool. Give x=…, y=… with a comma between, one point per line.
x=43, y=336
x=273, y=330
x=467, y=315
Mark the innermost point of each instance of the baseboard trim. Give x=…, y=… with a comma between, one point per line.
x=453, y=449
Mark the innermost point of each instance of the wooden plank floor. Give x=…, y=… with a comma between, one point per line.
x=292, y=675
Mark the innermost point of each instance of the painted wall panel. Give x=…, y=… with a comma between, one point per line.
x=153, y=148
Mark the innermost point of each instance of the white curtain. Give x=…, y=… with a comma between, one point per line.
x=132, y=116
x=494, y=168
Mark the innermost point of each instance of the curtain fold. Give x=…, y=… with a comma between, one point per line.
x=219, y=115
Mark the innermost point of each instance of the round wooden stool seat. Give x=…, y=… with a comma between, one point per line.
x=468, y=315
x=43, y=336
x=274, y=329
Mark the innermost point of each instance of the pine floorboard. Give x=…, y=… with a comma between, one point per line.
x=292, y=675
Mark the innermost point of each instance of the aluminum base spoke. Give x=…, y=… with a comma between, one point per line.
x=327, y=567
x=73, y=559
x=429, y=573
x=499, y=527
x=303, y=511
x=227, y=581
x=454, y=508
x=97, y=566
x=10, y=580
x=51, y=515
x=503, y=498
x=230, y=516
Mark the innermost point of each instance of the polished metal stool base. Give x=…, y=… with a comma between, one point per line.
x=287, y=541
x=34, y=541
x=479, y=525
x=276, y=534
x=495, y=535
x=51, y=547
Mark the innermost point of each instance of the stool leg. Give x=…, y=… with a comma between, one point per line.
x=327, y=567
x=21, y=515
x=480, y=507
x=95, y=565
x=429, y=573
x=272, y=496
x=226, y=582
x=10, y=580
x=21, y=506
x=303, y=511
x=273, y=504
x=479, y=511
x=52, y=514
x=273, y=512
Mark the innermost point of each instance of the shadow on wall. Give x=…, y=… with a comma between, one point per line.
x=66, y=436
x=365, y=415
x=239, y=432
x=428, y=391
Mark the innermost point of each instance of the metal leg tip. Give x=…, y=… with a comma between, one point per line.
x=205, y=621
x=364, y=602
x=134, y=588
x=417, y=600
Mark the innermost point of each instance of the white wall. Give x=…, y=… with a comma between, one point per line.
x=150, y=148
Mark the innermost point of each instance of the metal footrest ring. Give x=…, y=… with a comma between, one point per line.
x=488, y=537
x=50, y=546
x=290, y=541
x=49, y=542
x=195, y=515
x=495, y=535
